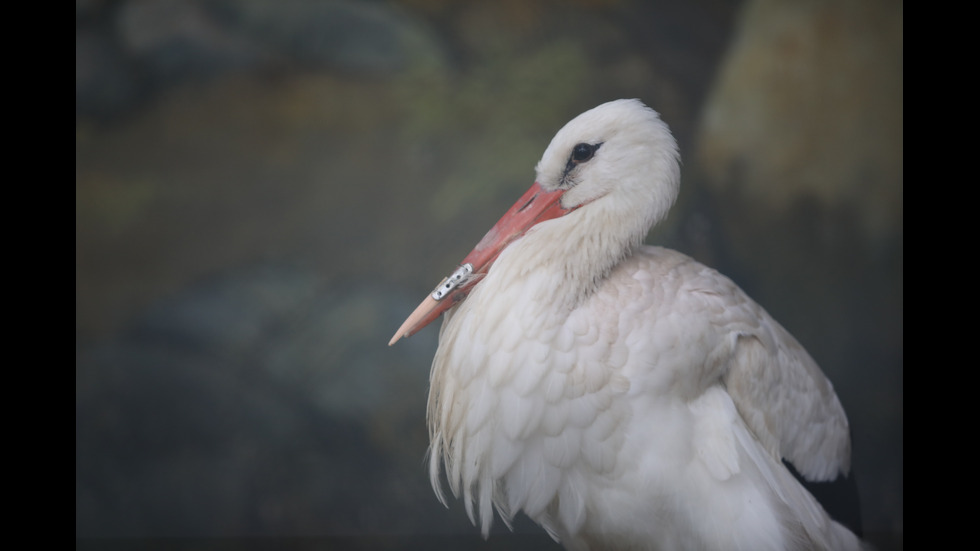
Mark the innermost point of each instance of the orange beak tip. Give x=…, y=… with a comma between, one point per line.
x=418, y=319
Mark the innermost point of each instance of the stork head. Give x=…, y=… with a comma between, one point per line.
x=616, y=162
x=620, y=149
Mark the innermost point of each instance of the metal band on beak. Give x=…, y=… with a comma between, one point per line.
x=454, y=280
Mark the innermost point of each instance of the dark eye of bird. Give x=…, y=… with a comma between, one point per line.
x=583, y=152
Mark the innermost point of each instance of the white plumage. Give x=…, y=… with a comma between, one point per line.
x=623, y=396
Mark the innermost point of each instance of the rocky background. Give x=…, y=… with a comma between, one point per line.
x=265, y=189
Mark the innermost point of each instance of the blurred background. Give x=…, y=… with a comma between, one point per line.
x=264, y=190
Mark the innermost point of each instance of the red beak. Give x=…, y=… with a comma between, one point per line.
x=536, y=205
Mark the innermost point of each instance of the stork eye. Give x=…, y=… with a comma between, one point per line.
x=583, y=152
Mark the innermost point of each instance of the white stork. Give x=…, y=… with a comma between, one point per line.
x=623, y=396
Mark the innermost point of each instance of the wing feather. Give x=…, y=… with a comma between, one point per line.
x=783, y=396
x=778, y=389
